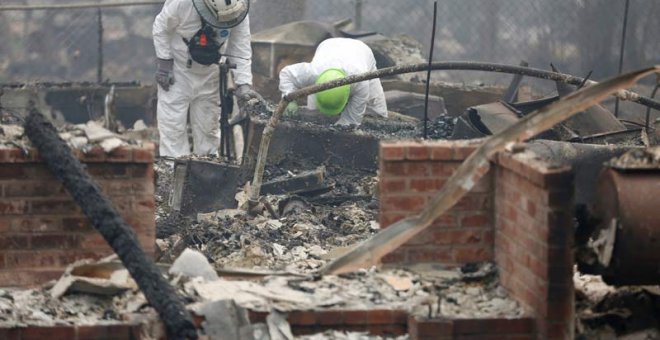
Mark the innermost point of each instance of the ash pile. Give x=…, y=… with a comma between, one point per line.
x=305, y=232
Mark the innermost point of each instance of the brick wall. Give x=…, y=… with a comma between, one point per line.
x=534, y=238
x=42, y=230
x=519, y=216
x=413, y=172
x=495, y=329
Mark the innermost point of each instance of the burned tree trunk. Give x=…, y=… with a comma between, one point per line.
x=98, y=208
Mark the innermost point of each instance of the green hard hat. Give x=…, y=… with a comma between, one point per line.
x=332, y=102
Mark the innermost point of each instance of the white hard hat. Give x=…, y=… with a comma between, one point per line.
x=222, y=13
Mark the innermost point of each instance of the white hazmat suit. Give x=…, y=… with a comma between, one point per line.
x=353, y=57
x=194, y=87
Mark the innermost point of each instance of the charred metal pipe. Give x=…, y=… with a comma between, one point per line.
x=106, y=220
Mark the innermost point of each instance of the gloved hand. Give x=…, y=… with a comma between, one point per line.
x=244, y=92
x=291, y=109
x=164, y=73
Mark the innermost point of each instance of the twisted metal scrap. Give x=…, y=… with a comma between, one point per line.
x=449, y=65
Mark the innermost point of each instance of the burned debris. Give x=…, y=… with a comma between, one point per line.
x=501, y=212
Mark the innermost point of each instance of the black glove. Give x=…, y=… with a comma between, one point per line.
x=164, y=73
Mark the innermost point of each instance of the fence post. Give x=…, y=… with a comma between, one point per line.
x=99, y=65
x=623, y=46
x=358, y=14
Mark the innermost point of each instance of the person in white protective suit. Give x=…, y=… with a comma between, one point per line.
x=337, y=58
x=189, y=37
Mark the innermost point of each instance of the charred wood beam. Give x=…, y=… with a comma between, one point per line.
x=106, y=220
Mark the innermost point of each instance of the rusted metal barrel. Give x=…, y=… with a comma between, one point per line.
x=629, y=200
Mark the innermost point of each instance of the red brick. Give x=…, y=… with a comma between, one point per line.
x=418, y=152
x=108, y=170
x=144, y=154
x=422, y=328
x=403, y=203
x=431, y=254
x=54, y=206
x=45, y=259
x=37, y=171
x=93, y=241
x=121, y=154
x=10, y=333
x=423, y=238
x=14, y=207
x=380, y=316
x=510, y=213
x=446, y=220
x=141, y=171
x=142, y=187
x=462, y=152
x=474, y=202
x=8, y=242
x=417, y=169
x=145, y=204
x=426, y=184
x=459, y=237
x=444, y=169
x=442, y=153
x=95, y=154
x=355, y=317
x=389, y=218
x=469, y=220
x=10, y=155
x=393, y=169
x=48, y=332
x=388, y=330
x=28, y=277
x=302, y=318
x=76, y=224
x=124, y=204
x=397, y=256
x=329, y=317
x=27, y=188
x=494, y=326
x=12, y=171
x=488, y=236
x=390, y=186
x=531, y=209
x=484, y=185
x=141, y=222
x=35, y=224
x=108, y=332
x=54, y=241
x=469, y=254
x=389, y=152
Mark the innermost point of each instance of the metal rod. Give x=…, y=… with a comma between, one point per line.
x=99, y=65
x=648, y=109
x=79, y=5
x=428, y=74
x=621, y=52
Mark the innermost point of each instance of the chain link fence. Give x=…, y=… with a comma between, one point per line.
x=115, y=44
